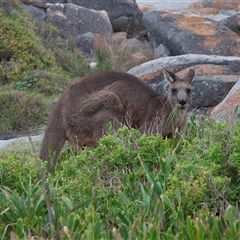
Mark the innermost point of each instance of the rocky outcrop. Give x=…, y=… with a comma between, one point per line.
x=204, y=37
x=161, y=51
x=215, y=75
x=124, y=15
x=185, y=32
x=229, y=108
x=219, y=4
x=73, y=20
x=36, y=3
x=37, y=13
x=233, y=23
x=89, y=42
x=92, y=24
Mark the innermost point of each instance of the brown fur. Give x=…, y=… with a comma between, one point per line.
x=90, y=103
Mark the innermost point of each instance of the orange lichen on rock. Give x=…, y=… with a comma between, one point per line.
x=204, y=11
x=151, y=75
x=206, y=69
x=196, y=24
x=219, y=4
x=143, y=9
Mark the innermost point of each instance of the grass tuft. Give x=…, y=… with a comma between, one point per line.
x=21, y=112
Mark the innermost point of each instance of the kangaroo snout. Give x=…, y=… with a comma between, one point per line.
x=182, y=104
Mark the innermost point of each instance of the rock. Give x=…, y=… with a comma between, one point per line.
x=137, y=59
x=36, y=13
x=92, y=65
x=138, y=46
x=35, y=3
x=128, y=53
x=227, y=5
x=211, y=90
x=119, y=38
x=124, y=15
x=73, y=20
x=233, y=23
x=229, y=108
x=90, y=42
x=215, y=75
x=188, y=33
x=58, y=1
x=137, y=52
x=161, y=51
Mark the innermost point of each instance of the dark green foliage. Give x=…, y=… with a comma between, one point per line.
x=131, y=186
x=26, y=82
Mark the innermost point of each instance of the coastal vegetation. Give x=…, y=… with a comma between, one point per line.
x=132, y=186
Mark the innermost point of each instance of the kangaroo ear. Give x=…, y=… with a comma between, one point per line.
x=190, y=75
x=169, y=76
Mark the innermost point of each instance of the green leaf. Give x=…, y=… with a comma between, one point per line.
x=157, y=186
x=145, y=197
x=123, y=232
x=19, y=228
x=68, y=202
x=70, y=221
x=123, y=197
x=97, y=229
x=167, y=202
x=123, y=219
x=189, y=226
x=39, y=225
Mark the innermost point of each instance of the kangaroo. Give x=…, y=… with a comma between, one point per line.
x=82, y=113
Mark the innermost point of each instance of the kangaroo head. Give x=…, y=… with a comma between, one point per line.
x=180, y=89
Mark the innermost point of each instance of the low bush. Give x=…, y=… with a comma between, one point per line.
x=20, y=49
x=21, y=112
x=48, y=84
x=131, y=186
x=207, y=161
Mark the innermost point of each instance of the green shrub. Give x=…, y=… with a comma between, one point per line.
x=68, y=57
x=14, y=167
x=27, y=82
x=205, y=172
x=21, y=112
x=131, y=186
x=20, y=49
x=49, y=84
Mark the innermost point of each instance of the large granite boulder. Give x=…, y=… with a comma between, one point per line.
x=219, y=4
x=185, y=32
x=73, y=20
x=215, y=75
x=124, y=15
x=233, y=23
x=89, y=42
x=229, y=108
x=37, y=13
x=35, y=3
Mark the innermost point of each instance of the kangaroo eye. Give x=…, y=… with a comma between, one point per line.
x=189, y=90
x=174, y=90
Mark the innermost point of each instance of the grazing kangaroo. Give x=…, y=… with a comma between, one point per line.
x=82, y=113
